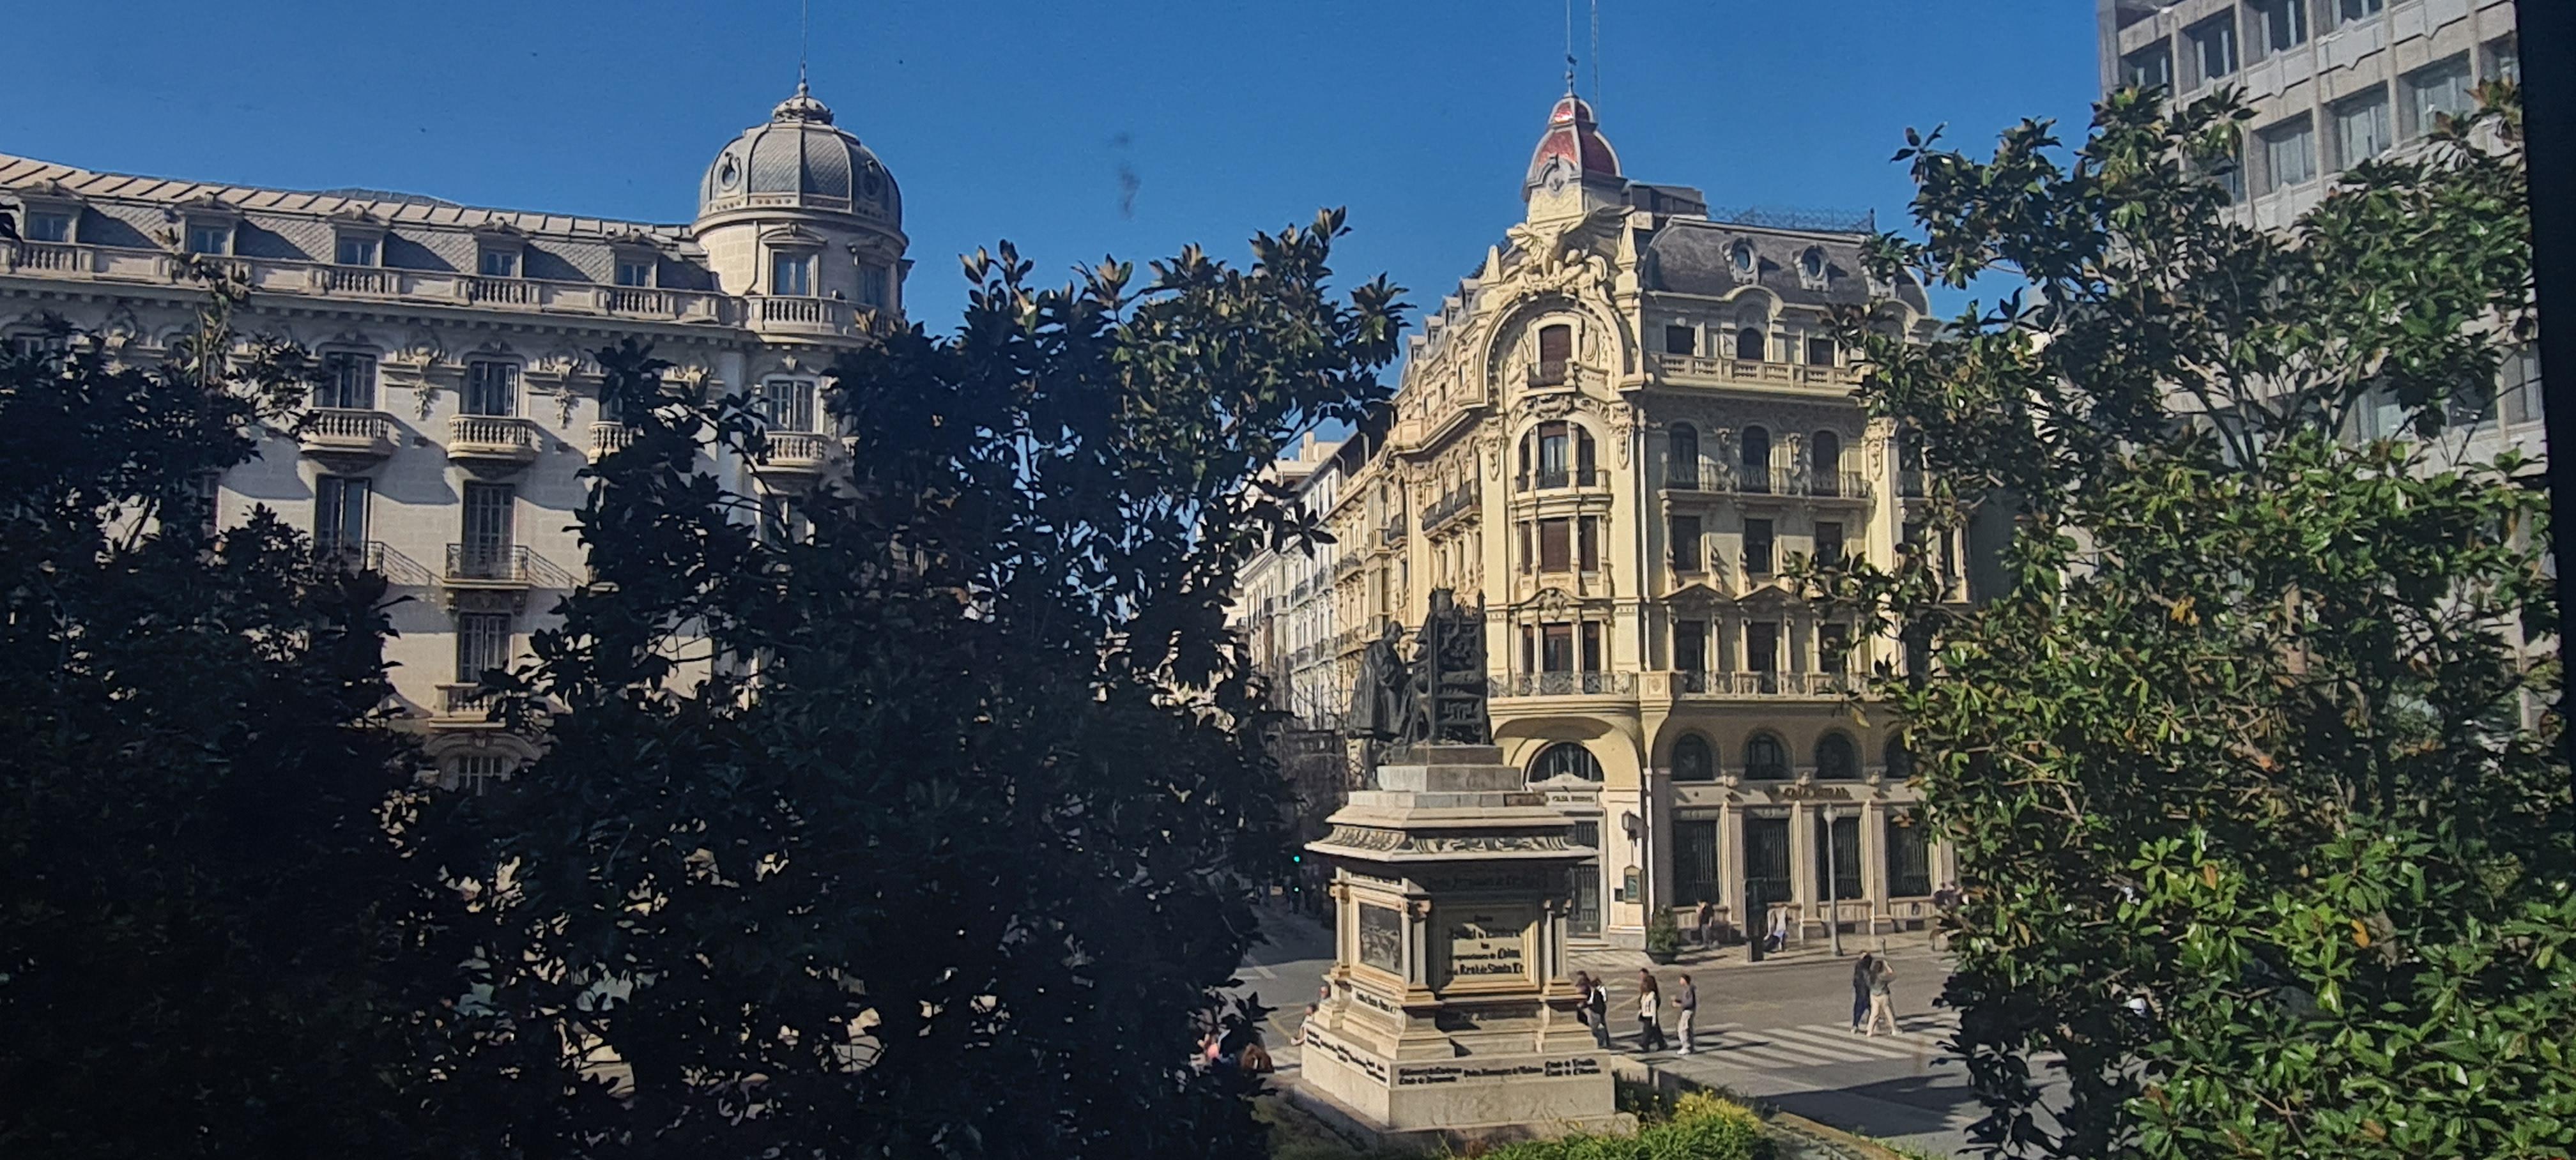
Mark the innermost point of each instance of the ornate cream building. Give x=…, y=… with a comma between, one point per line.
x=1617, y=434
x=460, y=401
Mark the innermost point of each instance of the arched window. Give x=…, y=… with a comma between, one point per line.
x=1683, y=469
x=1899, y=759
x=1812, y=263
x=1750, y=345
x=1765, y=759
x=1692, y=760
x=1836, y=760
x=1740, y=256
x=1757, y=460
x=1826, y=463
x=1565, y=759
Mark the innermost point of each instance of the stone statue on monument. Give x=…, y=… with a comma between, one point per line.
x=1434, y=697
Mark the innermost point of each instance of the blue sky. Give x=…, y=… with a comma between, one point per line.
x=1016, y=119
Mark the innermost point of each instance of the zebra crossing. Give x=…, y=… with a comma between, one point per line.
x=1917, y=1039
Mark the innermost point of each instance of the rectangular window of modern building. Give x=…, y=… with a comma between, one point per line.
x=491, y=388
x=1680, y=340
x=482, y=644
x=2442, y=89
x=2148, y=68
x=2504, y=59
x=210, y=238
x=2213, y=48
x=1555, y=545
x=49, y=227
x=1829, y=543
x=2361, y=128
x=2280, y=25
x=340, y=514
x=787, y=404
x=634, y=273
x=356, y=252
x=2350, y=11
x=2289, y=154
x=348, y=381
x=1757, y=547
x=791, y=274
x=1687, y=556
x=499, y=264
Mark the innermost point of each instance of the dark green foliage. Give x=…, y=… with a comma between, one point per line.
x=198, y=953
x=2261, y=823
x=924, y=831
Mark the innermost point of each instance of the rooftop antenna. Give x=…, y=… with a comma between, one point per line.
x=1569, y=47
x=1596, y=52
x=804, y=35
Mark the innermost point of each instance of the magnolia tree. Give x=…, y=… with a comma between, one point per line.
x=914, y=816
x=2253, y=765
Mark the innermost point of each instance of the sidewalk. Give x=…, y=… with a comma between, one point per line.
x=1910, y=946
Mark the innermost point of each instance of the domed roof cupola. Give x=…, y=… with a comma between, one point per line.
x=1571, y=150
x=800, y=161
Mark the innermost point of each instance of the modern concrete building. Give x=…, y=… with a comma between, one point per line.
x=2333, y=83
x=1616, y=435
x=461, y=399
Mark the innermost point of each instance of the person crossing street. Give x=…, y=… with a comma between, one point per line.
x=1650, y=1028
x=1688, y=1001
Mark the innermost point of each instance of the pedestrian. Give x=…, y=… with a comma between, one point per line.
x=1779, y=929
x=1596, y=1009
x=1862, y=972
x=1705, y=921
x=1650, y=1029
x=1299, y=1038
x=1882, y=1001
x=1688, y=1001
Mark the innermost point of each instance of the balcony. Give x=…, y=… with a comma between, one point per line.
x=1695, y=683
x=464, y=705
x=377, y=557
x=280, y=276
x=1449, y=507
x=1910, y=483
x=609, y=438
x=1550, y=480
x=1555, y=372
x=1704, y=370
x=1828, y=485
x=812, y=317
x=508, y=568
x=1394, y=532
x=492, y=446
x=793, y=457
x=1566, y=685
x=345, y=439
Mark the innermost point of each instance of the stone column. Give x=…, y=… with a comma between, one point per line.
x=1802, y=864
x=1873, y=861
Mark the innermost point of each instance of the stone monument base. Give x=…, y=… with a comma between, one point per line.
x=1425, y=1105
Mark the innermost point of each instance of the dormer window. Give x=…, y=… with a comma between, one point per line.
x=1740, y=258
x=47, y=226
x=791, y=274
x=355, y=251
x=1811, y=265
x=498, y=263
x=210, y=237
x=635, y=271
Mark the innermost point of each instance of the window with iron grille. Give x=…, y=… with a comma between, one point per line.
x=1909, y=857
x=340, y=514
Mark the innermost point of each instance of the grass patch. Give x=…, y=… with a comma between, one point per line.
x=1695, y=1126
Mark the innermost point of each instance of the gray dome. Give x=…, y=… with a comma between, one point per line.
x=800, y=161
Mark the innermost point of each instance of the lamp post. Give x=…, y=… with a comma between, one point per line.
x=1833, y=888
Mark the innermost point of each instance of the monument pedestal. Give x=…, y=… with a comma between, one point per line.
x=1452, y=1014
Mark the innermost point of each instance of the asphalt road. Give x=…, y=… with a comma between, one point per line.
x=1776, y=1031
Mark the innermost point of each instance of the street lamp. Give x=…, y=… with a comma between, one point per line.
x=1833, y=888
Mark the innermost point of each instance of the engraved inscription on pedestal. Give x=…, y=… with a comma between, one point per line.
x=1488, y=945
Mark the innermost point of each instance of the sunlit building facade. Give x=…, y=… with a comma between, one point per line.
x=460, y=396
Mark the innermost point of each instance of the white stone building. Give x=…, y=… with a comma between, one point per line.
x=2333, y=83
x=1615, y=435
x=460, y=400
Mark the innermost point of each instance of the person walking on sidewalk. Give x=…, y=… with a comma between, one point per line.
x=1862, y=972
x=1650, y=1028
x=1882, y=1002
x=1688, y=1001
x=1596, y=1008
